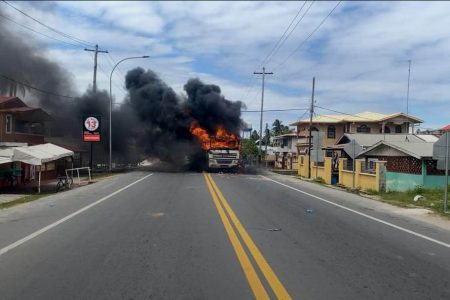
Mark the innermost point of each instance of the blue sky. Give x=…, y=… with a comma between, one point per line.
x=359, y=56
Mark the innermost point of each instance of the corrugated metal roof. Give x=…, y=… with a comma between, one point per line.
x=418, y=150
x=428, y=137
x=365, y=116
x=369, y=139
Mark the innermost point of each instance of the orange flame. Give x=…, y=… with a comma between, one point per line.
x=221, y=140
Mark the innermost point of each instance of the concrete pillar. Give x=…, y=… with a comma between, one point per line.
x=328, y=170
x=342, y=161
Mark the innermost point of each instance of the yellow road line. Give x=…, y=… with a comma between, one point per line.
x=276, y=285
x=249, y=271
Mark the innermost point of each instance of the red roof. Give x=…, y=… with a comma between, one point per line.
x=446, y=128
x=4, y=99
x=19, y=109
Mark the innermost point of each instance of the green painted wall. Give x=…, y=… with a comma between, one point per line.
x=402, y=182
x=434, y=181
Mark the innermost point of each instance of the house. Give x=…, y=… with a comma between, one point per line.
x=285, y=151
x=20, y=123
x=364, y=141
x=335, y=126
x=409, y=164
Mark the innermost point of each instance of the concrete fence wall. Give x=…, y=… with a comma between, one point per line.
x=364, y=181
x=323, y=172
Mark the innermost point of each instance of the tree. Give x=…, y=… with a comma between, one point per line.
x=254, y=136
x=278, y=128
x=249, y=147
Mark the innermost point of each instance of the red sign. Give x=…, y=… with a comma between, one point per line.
x=91, y=129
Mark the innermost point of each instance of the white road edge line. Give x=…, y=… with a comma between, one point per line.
x=48, y=227
x=363, y=214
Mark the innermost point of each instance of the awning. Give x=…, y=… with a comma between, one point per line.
x=35, y=155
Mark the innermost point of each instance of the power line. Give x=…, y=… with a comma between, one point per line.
x=35, y=88
x=276, y=47
x=68, y=36
x=37, y=32
x=282, y=38
x=271, y=110
x=343, y=113
x=308, y=37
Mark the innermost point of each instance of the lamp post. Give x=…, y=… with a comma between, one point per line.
x=111, y=105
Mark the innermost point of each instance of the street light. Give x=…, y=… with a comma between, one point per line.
x=111, y=105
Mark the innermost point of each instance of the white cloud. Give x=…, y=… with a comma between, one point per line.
x=359, y=56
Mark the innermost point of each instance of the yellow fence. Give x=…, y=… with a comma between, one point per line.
x=358, y=179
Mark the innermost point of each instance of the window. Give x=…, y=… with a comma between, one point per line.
x=331, y=132
x=314, y=128
x=8, y=123
x=398, y=129
x=363, y=129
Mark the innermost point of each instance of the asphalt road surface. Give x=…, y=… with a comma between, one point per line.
x=161, y=235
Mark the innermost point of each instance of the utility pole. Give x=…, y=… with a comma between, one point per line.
x=94, y=88
x=407, y=93
x=267, y=141
x=263, y=73
x=311, y=112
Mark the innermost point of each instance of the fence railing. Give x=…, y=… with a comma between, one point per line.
x=368, y=167
x=78, y=173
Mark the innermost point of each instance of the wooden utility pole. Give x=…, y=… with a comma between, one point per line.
x=263, y=73
x=96, y=51
x=311, y=112
x=94, y=88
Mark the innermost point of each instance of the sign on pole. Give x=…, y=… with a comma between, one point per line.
x=91, y=129
x=441, y=153
x=316, y=149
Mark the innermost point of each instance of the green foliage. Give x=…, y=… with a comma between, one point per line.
x=371, y=192
x=254, y=136
x=249, y=147
x=434, y=198
x=278, y=128
x=319, y=180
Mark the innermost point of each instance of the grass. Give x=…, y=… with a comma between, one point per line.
x=24, y=199
x=434, y=198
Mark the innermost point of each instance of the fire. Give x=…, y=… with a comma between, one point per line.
x=221, y=140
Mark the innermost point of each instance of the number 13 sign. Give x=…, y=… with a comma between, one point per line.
x=91, y=129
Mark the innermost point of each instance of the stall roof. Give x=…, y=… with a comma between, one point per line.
x=35, y=155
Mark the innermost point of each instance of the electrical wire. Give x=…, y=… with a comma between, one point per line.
x=68, y=36
x=283, y=37
x=272, y=110
x=269, y=56
x=35, y=88
x=308, y=37
x=37, y=32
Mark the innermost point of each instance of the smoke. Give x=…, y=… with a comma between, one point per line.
x=209, y=108
x=23, y=59
x=166, y=117
x=153, y=120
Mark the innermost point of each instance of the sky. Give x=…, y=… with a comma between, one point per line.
x=358, y=55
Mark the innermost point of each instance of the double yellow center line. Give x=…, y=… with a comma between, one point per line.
x=228, y=218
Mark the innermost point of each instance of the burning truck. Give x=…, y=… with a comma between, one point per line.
x=223, y=149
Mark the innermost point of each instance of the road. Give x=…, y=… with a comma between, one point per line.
x=159, y=235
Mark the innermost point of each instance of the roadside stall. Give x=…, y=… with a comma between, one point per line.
x=43, y=160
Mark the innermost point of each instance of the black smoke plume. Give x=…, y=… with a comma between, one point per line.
x=153, y=120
